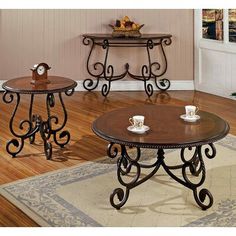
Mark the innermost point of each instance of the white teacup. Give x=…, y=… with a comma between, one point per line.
x=137, y=121
x=191, y=111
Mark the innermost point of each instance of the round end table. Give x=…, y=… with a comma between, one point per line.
x=14, y=88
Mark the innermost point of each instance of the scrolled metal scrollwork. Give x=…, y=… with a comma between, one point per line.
x=86, y=41
x=90, y=84
x=195, y=166
x=70, y=92
x=51, y=99
x=32, y=119
x=166, y=41
x=201, y=198
x=121, y=196
x=105, y=44
x=108, y=77
x=8, y=97
x=98, y=67
x=112, y=150
x=58, y=136
x=129, y=170
x=129, y=173
x=146, y=77
x=29, y=127
x=25, y=126
x=153, y=70
x=43, y=129
x=124, y=165
x=108, y=70
x=155, y=66
x=162, y=84
x=16, y=144
x=150, y=44
x=63, y=135
x=210, y=153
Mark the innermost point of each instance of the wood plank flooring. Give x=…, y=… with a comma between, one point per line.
x=83, y=108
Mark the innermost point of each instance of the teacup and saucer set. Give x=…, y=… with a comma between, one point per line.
x=137, y=125
x=190, y=115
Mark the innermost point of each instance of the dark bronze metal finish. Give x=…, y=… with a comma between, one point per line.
x=153, y=70
x=193, y=166
x=35, y=123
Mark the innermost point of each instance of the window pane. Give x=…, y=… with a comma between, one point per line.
x=232, y=25
x=212, y=24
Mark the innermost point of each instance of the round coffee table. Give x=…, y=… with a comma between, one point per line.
x=14, y=88
x=167, y=131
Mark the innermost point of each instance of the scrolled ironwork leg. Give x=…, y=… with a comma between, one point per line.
x=146, y=70
x=162, y=84
x=204, y=193
x=26, y=126
x=43, y=129
x=194, y=166
x=57, y=133
x=124, y=165
x=98, y=67
x=193, y=161
x=31, y=118
x=108, y=70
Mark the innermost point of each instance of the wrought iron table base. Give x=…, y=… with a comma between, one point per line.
x=193, y=166
x=105, y=71
x=35, y=123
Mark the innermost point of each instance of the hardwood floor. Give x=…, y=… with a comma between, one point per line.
x=83, y=108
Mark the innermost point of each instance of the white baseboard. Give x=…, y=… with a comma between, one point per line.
x=134, y=85
x=139, y=85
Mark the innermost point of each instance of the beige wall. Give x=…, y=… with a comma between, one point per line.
x=28, y=37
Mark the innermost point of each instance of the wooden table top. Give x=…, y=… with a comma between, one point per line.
x=167, y=129
x=142, y=37
x=23, y=85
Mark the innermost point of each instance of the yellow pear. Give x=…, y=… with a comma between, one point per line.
x=134, y=26
x=122, y=26
x=126, y=18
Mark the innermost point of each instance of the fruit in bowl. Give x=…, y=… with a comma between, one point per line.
x=126, y=28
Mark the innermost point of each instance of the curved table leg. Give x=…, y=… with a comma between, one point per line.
x=31, y=118
x=16, y=144
x=162, y=84
x=57, y=133
x=98, y=67
x=194, y=166
x=124, y=165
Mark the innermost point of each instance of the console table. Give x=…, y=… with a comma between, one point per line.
x=103, y=70
x=167, y=131
x=14, y=88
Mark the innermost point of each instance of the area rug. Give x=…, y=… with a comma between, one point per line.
x=79, y=196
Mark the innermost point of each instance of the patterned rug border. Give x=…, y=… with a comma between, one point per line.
x=24, y=208
x=226, y=142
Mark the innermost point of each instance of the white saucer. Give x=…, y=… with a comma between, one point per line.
x=137, y=130
x=190, y=119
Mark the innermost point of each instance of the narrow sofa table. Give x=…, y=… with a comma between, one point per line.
x=152, y=70
x=14, y=88
x=167, y=131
